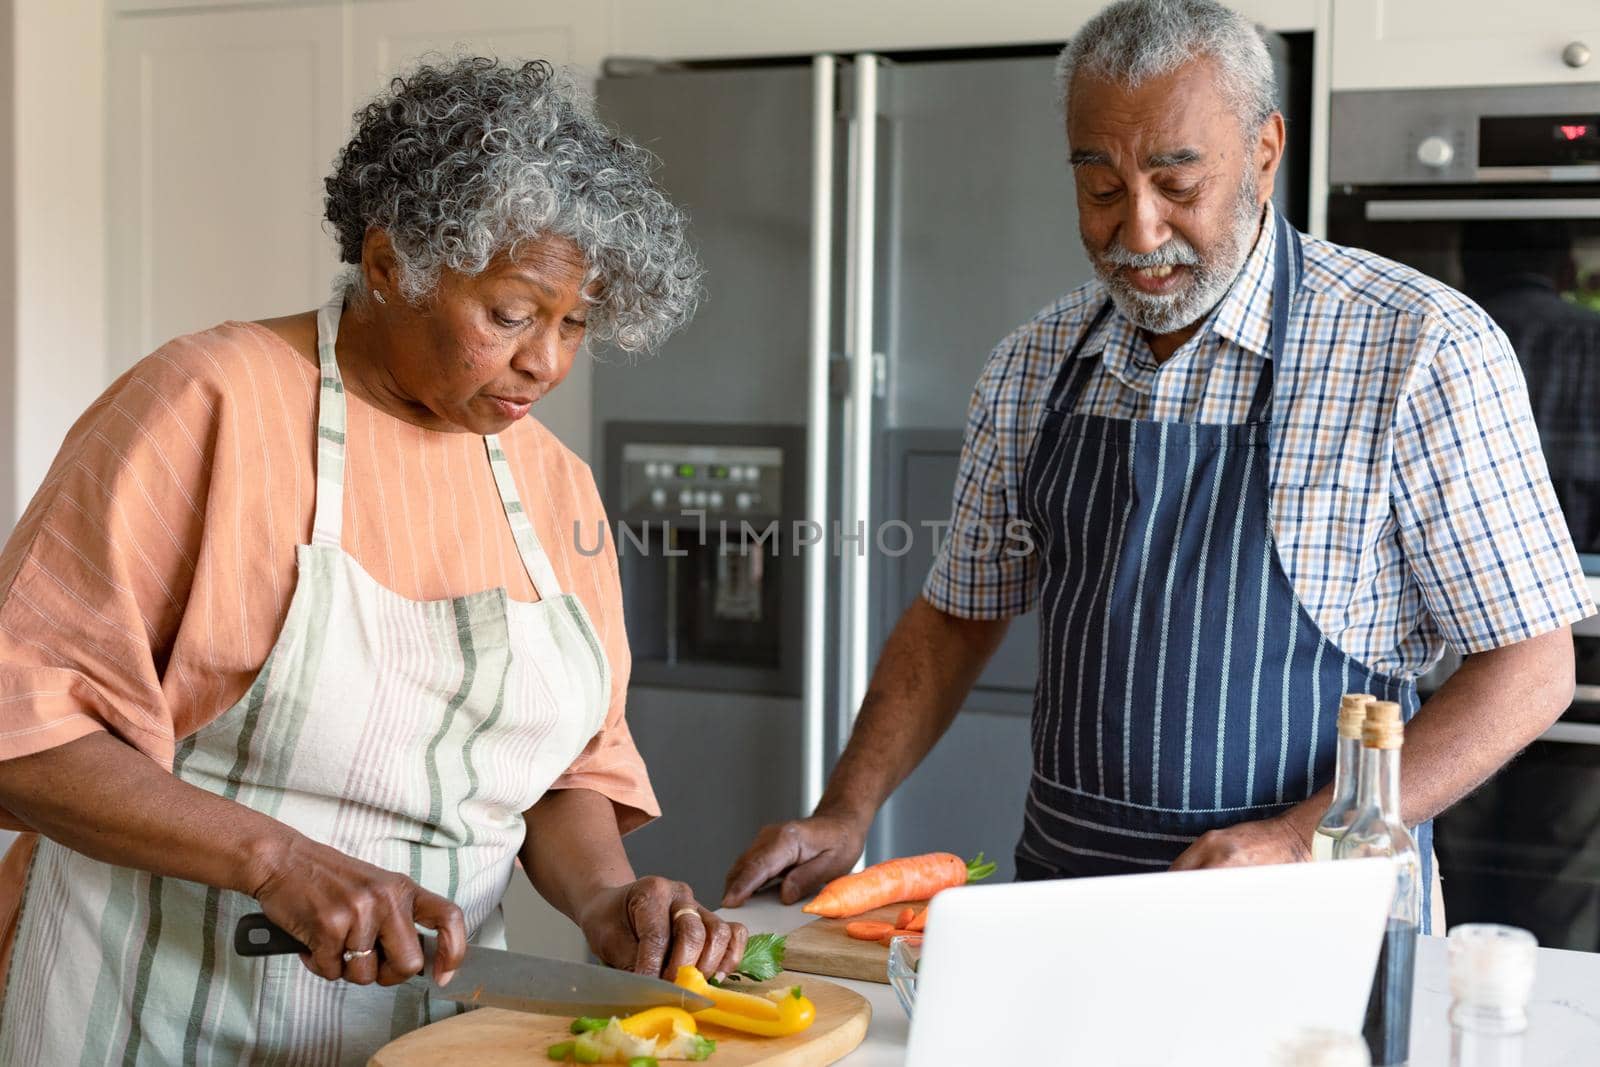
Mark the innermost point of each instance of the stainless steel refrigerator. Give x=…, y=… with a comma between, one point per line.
x=871, y=227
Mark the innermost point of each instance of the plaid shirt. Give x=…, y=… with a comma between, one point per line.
x=1411, y=502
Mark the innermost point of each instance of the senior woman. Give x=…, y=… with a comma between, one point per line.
x=296, y=621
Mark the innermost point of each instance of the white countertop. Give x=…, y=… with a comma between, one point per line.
x=1564, y=1014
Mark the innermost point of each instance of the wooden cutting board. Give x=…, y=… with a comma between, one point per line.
x=822, y=947
x=492, y=1037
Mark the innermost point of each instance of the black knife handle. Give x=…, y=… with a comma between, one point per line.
x=257, y=935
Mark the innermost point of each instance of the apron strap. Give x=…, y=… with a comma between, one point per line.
x=1287, y=268
x=327, y=527
x=1074, y=376
x=1261, y=403
x=534, y=558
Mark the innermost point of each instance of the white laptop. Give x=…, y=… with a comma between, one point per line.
x=1196, y=968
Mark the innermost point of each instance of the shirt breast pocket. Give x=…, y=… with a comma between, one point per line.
x=1323, y=534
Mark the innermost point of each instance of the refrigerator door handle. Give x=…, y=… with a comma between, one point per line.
x=861, y=285
x=824, y=70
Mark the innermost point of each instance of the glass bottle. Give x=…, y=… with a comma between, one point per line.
x=1491, y=976
x=1346, y=766
x=1378, y=831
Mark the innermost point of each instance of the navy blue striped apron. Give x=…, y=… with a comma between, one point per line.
x=1182, y=685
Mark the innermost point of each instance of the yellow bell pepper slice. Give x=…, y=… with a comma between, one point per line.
x=778, y=1015
x=660, y=1023
x=747, y=1004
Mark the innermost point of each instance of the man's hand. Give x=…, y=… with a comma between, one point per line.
x=812, y=851
x=1249, y=844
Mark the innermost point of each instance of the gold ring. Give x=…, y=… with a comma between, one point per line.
x=685, y=911
x=356, y=953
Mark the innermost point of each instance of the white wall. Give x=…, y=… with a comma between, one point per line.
x=8, y=266
x=52, y=234
x=59, y=202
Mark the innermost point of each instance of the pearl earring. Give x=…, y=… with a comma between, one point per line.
x=378, y=297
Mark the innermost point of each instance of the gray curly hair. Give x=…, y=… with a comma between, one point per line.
x=1132, y=41
x=460, y=160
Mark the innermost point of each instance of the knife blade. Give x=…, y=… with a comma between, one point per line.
x=495, y=978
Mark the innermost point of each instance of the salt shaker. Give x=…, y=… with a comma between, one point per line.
x=1491, y=976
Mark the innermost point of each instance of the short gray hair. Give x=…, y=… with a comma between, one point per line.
x=461, y=160
x=1132, y=41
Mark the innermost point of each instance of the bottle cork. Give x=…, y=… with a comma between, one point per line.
x=1383, y=728
x=1352, y=713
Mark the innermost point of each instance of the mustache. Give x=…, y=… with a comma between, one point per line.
x=1175, y=253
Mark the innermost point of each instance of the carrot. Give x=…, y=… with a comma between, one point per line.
x=904, y=919
x=919, y=922
x=892, y=934
x=909, y=878
x=867, y=929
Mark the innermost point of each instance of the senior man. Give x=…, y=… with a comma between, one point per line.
x=1260, y=470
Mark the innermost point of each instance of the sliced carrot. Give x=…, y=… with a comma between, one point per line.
x=892, y=934
x=909, y=878
x=918, y=922
x=868, y=929
x=903, y=920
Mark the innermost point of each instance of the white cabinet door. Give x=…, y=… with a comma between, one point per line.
x=1403, y=44
x=223, y=125
x=386, y=35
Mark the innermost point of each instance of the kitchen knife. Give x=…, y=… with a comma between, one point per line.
x=494, y=978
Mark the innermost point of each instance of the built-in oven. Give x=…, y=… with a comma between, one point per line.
x=1497, y=193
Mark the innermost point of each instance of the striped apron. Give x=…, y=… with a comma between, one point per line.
x=1182, y=685
x=410, y=734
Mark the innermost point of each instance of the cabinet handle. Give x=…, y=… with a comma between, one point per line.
x=1576, y=55
x=1573, y=733
x=1447, y=210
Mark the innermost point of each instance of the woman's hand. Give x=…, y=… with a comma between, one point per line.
x=654, y=926
x=336, y=904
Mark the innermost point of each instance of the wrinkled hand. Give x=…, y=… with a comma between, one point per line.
x=812, y=851
x=1275, y=840
x=654, y=926
x=332, y=903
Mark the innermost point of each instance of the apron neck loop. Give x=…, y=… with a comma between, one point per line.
x=1287, y=268
x=533, y=554
x=1070, y=382
x=1288, y=265
x=328, y=526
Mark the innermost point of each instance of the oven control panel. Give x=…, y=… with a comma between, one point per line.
x=724, y=481
x=1505, y=134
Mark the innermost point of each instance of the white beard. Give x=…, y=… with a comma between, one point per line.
x=1209, y=281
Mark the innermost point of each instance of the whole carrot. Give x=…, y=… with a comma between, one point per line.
x=908, y=878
